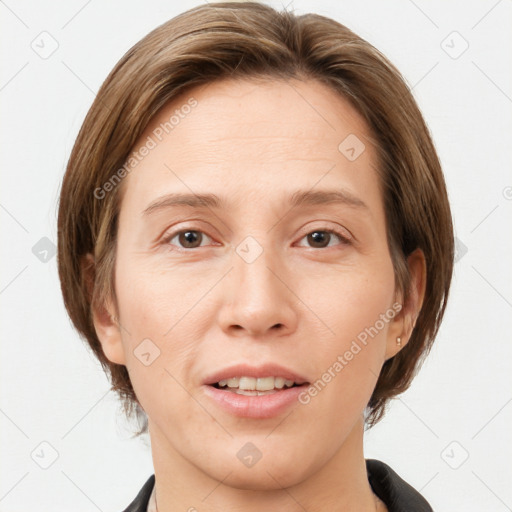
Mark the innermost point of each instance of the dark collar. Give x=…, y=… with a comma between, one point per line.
x=140, y=503
x=396, y=493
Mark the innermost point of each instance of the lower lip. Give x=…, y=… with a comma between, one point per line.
x=260, y=407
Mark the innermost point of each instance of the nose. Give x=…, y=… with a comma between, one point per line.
x=258, y=298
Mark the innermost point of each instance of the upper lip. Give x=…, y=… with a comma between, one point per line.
x=245, y=370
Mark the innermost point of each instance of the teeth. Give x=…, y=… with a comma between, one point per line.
x=233, y=383
x=279, y=382
x=248, y=383
x=254, y=393
x=256, y=384
x=262, y=383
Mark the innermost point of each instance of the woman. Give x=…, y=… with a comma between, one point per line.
x=255, y=239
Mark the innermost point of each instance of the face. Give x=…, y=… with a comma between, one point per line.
x=282, y=271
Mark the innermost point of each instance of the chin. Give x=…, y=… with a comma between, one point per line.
x=273, y=471
x=263, y=480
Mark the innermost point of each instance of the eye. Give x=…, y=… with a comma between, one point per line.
x=321, y=238
x=188, y=238
x=193, y=238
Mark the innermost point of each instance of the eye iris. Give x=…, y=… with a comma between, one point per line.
x=319, y=237
x=188, y=238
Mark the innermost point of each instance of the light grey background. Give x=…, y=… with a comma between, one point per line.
x=449, y=435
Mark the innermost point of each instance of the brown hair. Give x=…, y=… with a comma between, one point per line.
x=252, y=40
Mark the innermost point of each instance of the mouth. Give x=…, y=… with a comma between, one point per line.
x=252, y=386
x=254, y=392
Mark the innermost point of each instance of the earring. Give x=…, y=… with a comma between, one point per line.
x=399, y=341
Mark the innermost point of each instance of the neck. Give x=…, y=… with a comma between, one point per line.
x=341, y=484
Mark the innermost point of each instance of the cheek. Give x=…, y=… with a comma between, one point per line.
x=356, y=312
x=159, y=328
x=349, y=301
x=153, y=298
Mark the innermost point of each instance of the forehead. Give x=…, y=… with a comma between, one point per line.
x=236, y=135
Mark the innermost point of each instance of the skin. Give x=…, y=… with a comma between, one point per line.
x=205, y=307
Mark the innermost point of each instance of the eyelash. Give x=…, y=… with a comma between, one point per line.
x=343, y=239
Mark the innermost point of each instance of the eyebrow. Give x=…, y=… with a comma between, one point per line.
x=298, y=198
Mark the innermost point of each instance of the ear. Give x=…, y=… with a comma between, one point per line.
x=104, y=316
x=403, y=323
